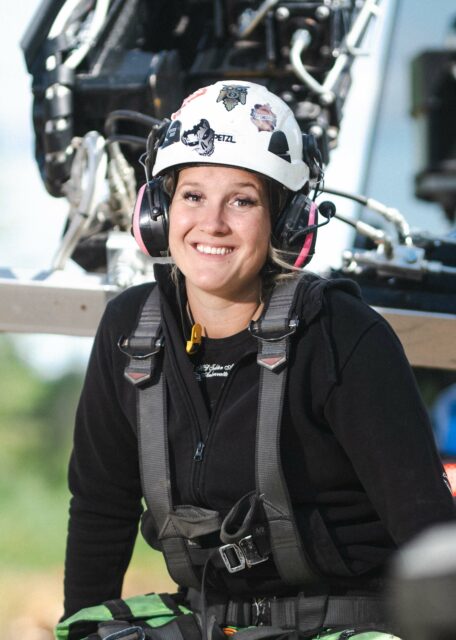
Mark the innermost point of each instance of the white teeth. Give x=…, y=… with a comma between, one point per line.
x=221, y=251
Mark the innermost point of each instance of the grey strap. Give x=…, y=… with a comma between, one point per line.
x=144, y=349
x=273, y=334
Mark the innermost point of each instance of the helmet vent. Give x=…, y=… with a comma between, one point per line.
x=172, y=134
x=278, y=145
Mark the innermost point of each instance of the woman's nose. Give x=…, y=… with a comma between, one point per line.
x=213, y=218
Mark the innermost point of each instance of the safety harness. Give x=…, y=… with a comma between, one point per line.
x=262, y=523
x=248, y=540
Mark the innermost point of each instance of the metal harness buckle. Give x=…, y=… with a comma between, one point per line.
x=237, y=557
x=254, y=330
x=232, y=557
x=123, y=344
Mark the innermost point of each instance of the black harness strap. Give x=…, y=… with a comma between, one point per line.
x=119, y=609
x=273, y=332
x=144, y=347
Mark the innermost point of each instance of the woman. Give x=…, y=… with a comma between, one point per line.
x=293, y=533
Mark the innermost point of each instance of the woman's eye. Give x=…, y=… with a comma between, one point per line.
x=192, y=196
x=244, y=202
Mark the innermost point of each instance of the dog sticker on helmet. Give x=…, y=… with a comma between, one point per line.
x=201, y=138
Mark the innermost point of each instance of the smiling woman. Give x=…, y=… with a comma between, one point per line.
x=219, y=239
x=271, y=461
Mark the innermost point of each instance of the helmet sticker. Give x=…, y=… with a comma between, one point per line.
x=201, y=138
x=232, y=95
x=192, y=96
x=263, y=117
x=172, y=134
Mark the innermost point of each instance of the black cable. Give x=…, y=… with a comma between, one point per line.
x=132, y=141
x=345, y=194
x=132, y=116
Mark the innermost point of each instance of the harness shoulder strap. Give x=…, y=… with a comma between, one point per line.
x=145, y=348
x=273, y=333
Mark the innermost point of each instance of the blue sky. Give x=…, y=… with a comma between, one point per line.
x=31, y=221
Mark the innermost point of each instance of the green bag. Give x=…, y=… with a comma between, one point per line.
x=160, y=617
x=146, y=612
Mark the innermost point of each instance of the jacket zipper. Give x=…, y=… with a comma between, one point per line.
x=199, y=451
x=198, y=454
x=201, y=446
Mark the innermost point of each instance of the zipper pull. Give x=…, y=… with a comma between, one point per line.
x=199, y=452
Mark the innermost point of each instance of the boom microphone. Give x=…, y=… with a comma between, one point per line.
x=327, y=210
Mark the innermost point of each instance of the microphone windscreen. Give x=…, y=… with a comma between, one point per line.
x=327, y=209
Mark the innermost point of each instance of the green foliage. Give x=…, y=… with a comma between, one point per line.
x=36, y=418
x=36, y=425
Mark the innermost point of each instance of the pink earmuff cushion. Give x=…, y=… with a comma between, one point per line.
x=136, y=220
x=304, y=253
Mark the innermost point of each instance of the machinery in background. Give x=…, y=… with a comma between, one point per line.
x=105, y=71
x=434, y=108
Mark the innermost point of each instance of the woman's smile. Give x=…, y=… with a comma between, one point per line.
x=212, y=250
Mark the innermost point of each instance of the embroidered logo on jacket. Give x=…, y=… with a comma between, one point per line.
x=204, y=371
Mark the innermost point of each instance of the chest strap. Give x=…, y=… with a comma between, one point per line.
x=175, y=524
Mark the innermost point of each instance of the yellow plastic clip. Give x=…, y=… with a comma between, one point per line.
x=195, y=339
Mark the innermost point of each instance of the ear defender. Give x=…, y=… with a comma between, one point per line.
x=150, y=219
x=295, y=231
x=150, y=215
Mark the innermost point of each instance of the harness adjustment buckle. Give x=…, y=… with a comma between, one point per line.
x=232, y=557
x=245, y=553
x=250, y=551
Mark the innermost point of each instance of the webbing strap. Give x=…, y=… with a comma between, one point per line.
x=119, y=609
x=304, y=612
x=308, y=613
x=273, y=335
x=153, y=443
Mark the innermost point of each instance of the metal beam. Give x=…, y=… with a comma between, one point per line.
x=72, y=304
x=429, y=339
x=52, y=302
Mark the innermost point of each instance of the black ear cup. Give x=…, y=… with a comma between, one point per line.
x=150, y=218
x=295, y=231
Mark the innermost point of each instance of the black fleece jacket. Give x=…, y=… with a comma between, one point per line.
x=358, y=452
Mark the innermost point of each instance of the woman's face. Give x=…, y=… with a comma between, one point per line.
x=219, y=230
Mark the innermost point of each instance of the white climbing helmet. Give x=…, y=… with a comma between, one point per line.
x=239, y=124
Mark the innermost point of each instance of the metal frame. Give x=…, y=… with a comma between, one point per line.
x=60, y=303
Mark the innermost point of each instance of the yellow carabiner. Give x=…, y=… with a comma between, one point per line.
x=195, y=339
